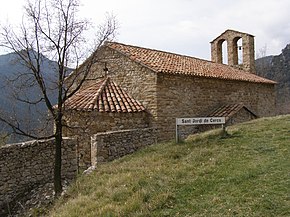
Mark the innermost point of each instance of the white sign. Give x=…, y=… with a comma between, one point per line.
x=200, y=121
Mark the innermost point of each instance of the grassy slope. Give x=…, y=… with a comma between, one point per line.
x=243, y=174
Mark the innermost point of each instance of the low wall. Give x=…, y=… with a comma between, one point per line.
x=82, y=125
x=25, y=165
x=112, y=145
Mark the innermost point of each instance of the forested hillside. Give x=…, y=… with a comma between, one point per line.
x=17, y=82
x=277, y=68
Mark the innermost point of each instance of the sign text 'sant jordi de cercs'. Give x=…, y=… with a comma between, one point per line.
x=200, y=120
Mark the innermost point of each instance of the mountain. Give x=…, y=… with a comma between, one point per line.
x=277, y=68
x=16, y=80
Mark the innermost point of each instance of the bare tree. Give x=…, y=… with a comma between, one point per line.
x=52, y=28
x=262, y=52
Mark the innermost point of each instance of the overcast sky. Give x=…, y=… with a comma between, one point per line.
x=184, y=26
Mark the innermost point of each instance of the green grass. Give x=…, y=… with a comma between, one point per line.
x=244, y=173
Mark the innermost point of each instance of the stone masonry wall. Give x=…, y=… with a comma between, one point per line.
x=25, y=165
x=184, y=96
x=112, y=145
x=85, y=124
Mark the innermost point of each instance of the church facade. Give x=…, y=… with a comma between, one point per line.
x=163, y=86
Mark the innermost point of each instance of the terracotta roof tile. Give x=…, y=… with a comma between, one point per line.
x=104, y=96
x=165, y=62
x=229, y=111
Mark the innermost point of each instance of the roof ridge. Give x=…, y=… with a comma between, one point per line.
x=100, y=90
x=114, y=102
x=119, y=97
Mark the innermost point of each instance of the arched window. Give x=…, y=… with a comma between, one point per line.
x=222, y=51
x=238, y=51
x=225, y=52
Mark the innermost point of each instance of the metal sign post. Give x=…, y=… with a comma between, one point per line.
x=198, y=121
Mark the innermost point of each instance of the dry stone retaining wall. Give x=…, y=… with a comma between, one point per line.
x=112, y=145
x=25, y=165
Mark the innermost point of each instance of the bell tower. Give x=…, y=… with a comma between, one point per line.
x=247, y=49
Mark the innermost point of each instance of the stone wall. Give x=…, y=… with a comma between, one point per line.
x=112, y=145
x=85, y=124
x=28, y=164
x=185, y=96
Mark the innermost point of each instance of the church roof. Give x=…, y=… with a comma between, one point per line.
x=103, y=96
x=170, y=63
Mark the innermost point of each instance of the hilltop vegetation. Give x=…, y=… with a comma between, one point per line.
x=245, y=173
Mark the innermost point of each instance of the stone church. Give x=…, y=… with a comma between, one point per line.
x=143, y=87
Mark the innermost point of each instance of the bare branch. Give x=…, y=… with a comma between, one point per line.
x=106, y=32
x=15, y=126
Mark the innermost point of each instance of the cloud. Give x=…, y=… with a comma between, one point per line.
x=186, y=26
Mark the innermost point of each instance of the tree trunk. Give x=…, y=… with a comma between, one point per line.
x=57, y=159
